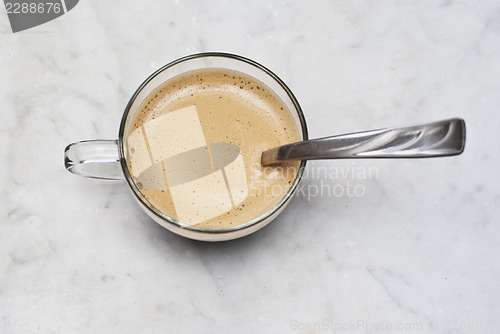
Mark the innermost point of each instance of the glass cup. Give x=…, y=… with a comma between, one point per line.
x=107, y=159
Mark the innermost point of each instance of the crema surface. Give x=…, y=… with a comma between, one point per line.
x=195, y=144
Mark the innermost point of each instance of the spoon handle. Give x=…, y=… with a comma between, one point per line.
x=436, y=139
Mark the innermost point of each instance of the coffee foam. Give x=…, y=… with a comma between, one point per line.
x=195, y=144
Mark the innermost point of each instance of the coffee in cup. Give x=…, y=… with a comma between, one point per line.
x=195, y=143
x=189, y=146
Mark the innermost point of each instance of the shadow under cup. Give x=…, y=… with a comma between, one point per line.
x=186, y=64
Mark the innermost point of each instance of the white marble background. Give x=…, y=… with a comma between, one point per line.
x=418, y=252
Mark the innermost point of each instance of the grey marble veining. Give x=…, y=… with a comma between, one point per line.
x=411, y=249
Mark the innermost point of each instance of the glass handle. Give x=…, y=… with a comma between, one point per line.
x=97, y=159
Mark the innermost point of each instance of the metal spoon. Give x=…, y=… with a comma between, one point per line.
x=436, y=139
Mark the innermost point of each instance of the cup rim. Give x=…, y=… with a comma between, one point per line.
x=176, y=223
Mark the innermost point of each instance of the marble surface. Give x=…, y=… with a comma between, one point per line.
x=414, y=250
